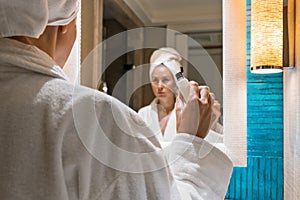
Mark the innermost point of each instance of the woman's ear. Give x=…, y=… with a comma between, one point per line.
x=63, y=29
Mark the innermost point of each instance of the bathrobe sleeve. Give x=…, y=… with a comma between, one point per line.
x=201, y=171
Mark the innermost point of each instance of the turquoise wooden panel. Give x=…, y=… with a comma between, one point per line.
x=261, y=179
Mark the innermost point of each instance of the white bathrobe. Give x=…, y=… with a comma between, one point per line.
x=52, y=146
x=150, y=116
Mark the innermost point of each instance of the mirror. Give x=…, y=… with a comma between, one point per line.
x=209, y=60
x=200, y=21
x=131, y=58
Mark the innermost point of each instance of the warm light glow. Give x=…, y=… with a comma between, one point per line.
x=266, y=71
x=266, y=35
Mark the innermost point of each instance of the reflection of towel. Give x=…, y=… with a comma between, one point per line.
x=30, y=17
x=168, y=57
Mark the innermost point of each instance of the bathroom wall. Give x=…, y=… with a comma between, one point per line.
x=292, y=121
x=262, y=178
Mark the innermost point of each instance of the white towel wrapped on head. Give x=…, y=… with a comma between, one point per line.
x=30, y=17
x=167, y=56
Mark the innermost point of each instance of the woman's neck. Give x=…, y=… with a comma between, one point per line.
x=166, y=105
x=164, y=111
x=46, y=42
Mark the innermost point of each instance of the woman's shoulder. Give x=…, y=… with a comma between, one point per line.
x=149, y=107
x=144, y=109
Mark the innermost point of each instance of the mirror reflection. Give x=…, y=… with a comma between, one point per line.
x=196, y=21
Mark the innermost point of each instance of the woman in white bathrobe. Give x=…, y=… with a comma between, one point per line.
x=161, y=114
x=60, y=141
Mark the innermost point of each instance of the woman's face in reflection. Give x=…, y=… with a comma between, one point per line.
x=163, y=83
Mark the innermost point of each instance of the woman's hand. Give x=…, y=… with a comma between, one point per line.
x=195, y=117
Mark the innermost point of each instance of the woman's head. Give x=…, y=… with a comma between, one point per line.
x=164, y=63
x=163, y=84
x=47, y=24
x=166, y=56
x=31, y=17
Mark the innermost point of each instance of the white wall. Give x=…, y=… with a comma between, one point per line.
x=234, y=80
x=292, y=123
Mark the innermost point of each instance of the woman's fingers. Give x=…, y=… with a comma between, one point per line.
x=194, y=90
x=196, y=115
x=204, y=94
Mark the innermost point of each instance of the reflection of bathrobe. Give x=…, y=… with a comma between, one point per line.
x=64, y=142
x=150, y=116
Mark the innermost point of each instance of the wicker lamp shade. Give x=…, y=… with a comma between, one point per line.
x=266, y=36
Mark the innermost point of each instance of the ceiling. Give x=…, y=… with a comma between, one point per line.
x=176, y=13
x=202, y=19
x=181, y=15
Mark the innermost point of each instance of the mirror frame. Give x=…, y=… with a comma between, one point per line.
x=234, y=80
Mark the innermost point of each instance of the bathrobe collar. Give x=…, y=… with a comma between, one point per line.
x=32, y=59
x=170, y=131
